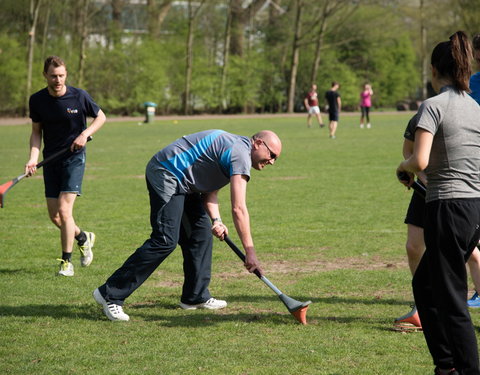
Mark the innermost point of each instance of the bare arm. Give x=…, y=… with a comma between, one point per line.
x=35, y=145
x=241, y=219
x=210, y=201
x=418, y=161
x=339, y=102
x=407, y=151
x=96, y=124
x=305, y=101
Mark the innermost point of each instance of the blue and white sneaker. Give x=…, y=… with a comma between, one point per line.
x=474, y=301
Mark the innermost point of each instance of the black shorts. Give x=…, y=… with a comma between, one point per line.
x=365, y=111
x=416, y=210
x=333, y=116
x=64, y=176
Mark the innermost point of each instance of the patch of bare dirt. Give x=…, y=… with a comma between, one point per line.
x=322, y=265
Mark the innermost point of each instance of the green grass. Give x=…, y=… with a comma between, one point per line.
x=327, y=221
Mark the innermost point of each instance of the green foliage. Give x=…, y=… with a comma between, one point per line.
x=373, y=41
x=206, y=85
x=122, y=79
x=13, y=73
x=245, y=79
x=397, y=77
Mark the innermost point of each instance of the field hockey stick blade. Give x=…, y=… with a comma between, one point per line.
x=297, y=308
x=10, y=184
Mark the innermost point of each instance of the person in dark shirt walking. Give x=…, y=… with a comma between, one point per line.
x=334, y=107
x=59, y=115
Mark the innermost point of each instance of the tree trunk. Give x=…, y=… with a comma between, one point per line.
x=226, y=51
x=240, y=18
x=34, y=10
x=319, y=43
x=83, y=40
x=156, y=15
x=295, y=58
x=45, y=29
x=117, y=25
x=192, y=15
x=424, y=55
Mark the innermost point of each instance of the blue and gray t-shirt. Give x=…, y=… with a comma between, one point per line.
x=205, y=161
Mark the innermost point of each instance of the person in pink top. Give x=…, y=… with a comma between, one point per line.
x=365, y=104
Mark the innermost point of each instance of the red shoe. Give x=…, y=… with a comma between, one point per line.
x=409, y=322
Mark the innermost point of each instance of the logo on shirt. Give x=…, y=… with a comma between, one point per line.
x=72, y=110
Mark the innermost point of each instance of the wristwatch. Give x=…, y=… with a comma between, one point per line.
x=216, y=219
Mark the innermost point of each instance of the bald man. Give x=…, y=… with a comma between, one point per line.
x=183, y=181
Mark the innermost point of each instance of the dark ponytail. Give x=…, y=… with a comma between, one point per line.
x=453, y=60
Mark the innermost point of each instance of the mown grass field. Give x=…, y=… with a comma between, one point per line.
x=327, y=221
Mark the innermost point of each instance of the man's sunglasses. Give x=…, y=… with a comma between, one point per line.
x=273, y=156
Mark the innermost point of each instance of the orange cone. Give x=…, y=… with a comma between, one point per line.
x=301, y=315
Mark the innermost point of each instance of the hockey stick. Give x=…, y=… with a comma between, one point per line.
x=10, y=184
x=296, y=308
x=416, y=186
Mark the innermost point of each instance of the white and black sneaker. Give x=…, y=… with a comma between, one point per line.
x=113, y=311
x=211, y=304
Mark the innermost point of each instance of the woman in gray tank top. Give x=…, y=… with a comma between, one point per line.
x=447, y=148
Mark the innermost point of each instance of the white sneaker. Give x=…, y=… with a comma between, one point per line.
x=211, y=304
x=369, y=126
x=113, y=311
x=86, y=254
x=361, y=126
x=66, y=268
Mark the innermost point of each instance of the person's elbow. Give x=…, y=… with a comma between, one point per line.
x=239, y=212
x=101, y=116
x=419, y=163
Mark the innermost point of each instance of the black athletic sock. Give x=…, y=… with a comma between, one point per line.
x=67, y=257
x=81, y=238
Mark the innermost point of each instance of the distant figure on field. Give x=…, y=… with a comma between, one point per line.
x=311, y=104
x=59, y=114
x=334, y=103
x=365, y=104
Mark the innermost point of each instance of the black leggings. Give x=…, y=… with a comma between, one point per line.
x=365, y=112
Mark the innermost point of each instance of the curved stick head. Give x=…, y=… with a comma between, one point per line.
x=3, y=190
x=297, y=308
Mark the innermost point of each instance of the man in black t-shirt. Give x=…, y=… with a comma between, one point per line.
x=59, y=115
x=334, y=106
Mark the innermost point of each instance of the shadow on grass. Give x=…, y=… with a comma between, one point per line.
x=53, y=311
x=152, y=311
x=333, y=300
x=180, y=318
x=6, y=271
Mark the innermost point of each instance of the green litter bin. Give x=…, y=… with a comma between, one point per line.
x=149, y=111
